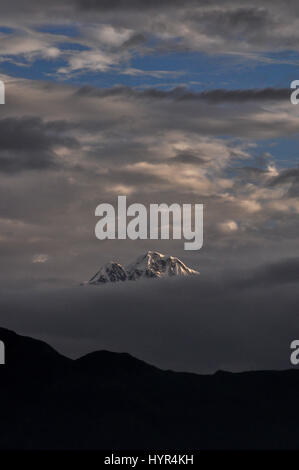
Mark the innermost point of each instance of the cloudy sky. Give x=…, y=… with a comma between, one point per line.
x=165, y=101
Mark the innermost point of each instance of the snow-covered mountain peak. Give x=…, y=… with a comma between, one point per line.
x=152, y=264
x=111, y=272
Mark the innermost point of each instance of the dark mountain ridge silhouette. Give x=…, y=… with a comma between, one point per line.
x=107, y=400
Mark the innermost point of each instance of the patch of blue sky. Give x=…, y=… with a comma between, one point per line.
x=72, y=46
x=6, y=30
x=71, y=30
x=284, y=150
x=40, y=69
x=225, y=71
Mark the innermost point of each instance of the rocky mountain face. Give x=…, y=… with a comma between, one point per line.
x=111, y=272
x=149, y=265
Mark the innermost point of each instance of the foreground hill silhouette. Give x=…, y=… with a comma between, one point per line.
x=108, y=400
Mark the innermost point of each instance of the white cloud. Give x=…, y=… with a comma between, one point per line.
x=40, y=258
x=92, y=60
x=228, y=226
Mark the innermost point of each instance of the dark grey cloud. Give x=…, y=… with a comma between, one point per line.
x=285, y=271
x=183, y=94
x=286, y=176
x=134, y=41
x=178, y=324
x=27, y=143
x=221, y=27
x=199, y=116
x=133, y=4
x=265, y=94
x=238, y=22
x=289, y=176
x=119, y=151
x=188, y=157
